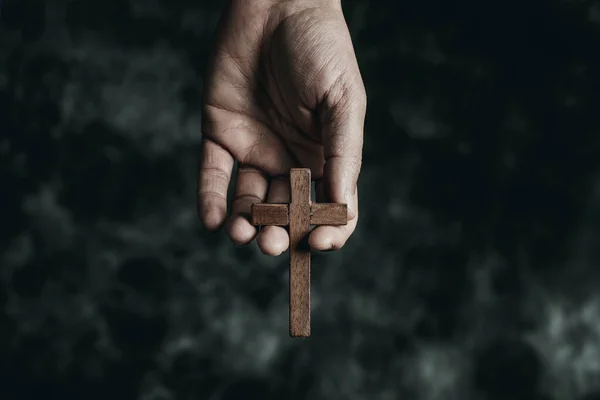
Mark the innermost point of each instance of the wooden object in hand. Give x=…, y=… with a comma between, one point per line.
x=299, y=215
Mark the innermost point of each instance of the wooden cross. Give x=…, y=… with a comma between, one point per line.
x=300, y=214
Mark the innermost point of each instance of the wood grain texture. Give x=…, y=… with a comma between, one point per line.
x=300, y=214
x=300, y=253
x=328, y=214
x=270, y=214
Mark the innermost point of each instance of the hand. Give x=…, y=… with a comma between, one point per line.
x=283, y=90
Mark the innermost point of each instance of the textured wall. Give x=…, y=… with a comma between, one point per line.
x=473, y=272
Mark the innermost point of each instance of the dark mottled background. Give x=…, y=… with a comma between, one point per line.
x=473, y=273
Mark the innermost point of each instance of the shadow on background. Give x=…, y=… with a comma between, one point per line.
x=471, y=272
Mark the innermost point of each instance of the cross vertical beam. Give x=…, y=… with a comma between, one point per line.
x=300, y=253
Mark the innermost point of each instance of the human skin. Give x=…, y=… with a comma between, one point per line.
x=283, y=90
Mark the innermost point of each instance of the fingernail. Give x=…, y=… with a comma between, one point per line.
x=330, y=247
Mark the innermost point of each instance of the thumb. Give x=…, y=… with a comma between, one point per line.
x=343, y=117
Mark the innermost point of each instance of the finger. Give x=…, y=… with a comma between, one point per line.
x=274, y=240
x=251, y=187
x=327, y=238
x=214, y=176
x=249, y=143
x=343, y=126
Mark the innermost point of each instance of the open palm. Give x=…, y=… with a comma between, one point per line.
x=283, y=91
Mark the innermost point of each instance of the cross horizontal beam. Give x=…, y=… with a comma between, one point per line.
x=270, y=214
x=328, y=214
x=279, y=214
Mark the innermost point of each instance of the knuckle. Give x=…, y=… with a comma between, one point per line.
x=347, y=96
x=361, y=97
x=215, y=174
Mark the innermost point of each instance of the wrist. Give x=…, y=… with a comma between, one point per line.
x=266, y=4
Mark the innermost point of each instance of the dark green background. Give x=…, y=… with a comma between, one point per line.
x=472, y=274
